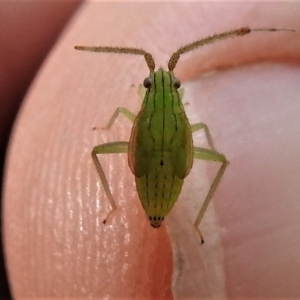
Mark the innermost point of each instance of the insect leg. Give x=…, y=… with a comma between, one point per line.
x=108, y=148
x=127, y=113
x=181, y=94
x=142, y=91
x=203, y=126
x=209, y=155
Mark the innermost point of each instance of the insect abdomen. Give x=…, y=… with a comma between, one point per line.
x=160, y=159
x=159, y=188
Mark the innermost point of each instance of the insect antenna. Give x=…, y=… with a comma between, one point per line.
x=214, y=38
x=122, y=50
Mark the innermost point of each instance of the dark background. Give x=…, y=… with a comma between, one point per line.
x=28, y=30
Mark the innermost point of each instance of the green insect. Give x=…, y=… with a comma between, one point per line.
x=160, y=149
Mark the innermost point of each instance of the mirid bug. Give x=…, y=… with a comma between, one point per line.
x=160, y=149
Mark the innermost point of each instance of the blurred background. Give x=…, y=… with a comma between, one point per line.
x=28, y=30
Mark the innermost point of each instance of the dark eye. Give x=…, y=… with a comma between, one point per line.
x=147, y=82
x=177, y=83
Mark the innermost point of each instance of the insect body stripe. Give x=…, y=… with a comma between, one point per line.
x=147, y=184
x=164, y=112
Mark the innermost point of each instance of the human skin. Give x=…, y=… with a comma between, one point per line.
x=28, y=30
x=56, y=244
